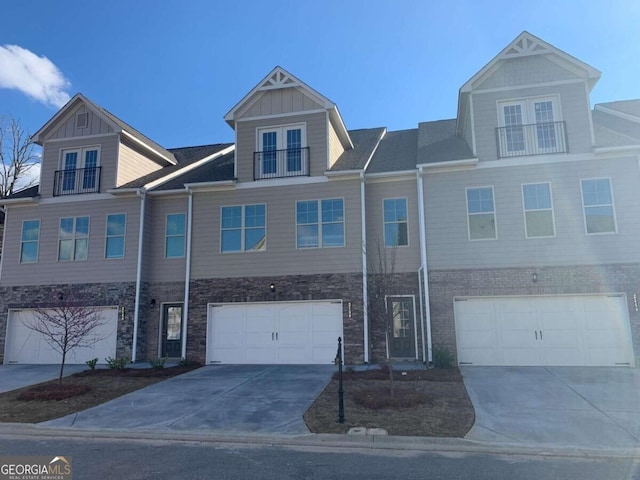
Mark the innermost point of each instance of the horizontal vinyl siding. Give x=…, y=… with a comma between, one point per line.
x=281, y=256
x=132, y=165
x=407, y=259
x=316, y=130
x=48, y=270
x=447, y=235
x=163, y=269
x=335, y=146
x=285, y=100
x=525, y=71
x=573, y=103
x=95, y=126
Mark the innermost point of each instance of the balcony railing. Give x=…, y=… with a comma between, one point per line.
x=76, y=181
x=293, y=162
x=534, y=139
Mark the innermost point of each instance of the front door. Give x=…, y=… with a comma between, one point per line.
x=172, y=330
x=402, y=327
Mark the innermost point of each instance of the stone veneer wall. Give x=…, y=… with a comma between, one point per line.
x=107, y=294
x=444, y=285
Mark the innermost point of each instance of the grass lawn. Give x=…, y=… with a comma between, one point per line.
x=99, y=386
x=431, y=403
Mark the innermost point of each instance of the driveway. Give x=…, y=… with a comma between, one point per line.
x=596, y=407
x=269, y=399
x=18, y=376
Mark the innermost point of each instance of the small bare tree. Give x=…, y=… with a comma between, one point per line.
x=17, y=158
x=66, y=325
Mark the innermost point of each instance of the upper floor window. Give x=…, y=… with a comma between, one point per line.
x=538, y=210
x=320, y=223
x=243, y=228
x=79, y=172
x=281, y=152
x=481, y=214
x=114, y=243
x=174, y=235
x=73, y=239
x=597, y=202
x=395, y=222
x=30, y=241
x=530, y=127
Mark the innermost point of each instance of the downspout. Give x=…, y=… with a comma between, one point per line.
x=136, y=310
x=365, y=296
x=423, y=263
x=424, y=348
x=187, y=275
x=4, y=235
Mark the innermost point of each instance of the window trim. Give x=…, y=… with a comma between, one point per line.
x=37, y=241
x=612, y=205
x=320, y=223
x=495, y=215
x=243, y=228
x=384, y=223
x=107, y=236
x=281, y=142
x=80, y=164
x=75, y=238
x=167, y=236
x=525, y=210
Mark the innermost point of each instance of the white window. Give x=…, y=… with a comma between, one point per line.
x=79, y=171
x=30, y=241
x=73, y=239
x=320, y=223
x=115, y=235
x=174, y=235
x=597, y=202
x=281, y=152
x=243, y=228
x=395, y=222
x=481, y=214
x=538, y=210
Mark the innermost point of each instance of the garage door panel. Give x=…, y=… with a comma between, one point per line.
x=517, y=356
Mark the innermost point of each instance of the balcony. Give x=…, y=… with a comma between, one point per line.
x=293, y=162
x=535, y=139
x=76, y=181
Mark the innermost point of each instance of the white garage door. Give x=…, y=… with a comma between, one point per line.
x=591, y=330
x=26, y=346
x=274, y=333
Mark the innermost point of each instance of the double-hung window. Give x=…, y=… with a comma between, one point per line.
x=481, y=214
x=281, y=152
x=80, y=171
x=597, y=202
x=116, y=229
x=320, y=223
x=243, y=228
x=395, y=222
x=30, y=241
x=175, y=235
x=73, y=239
x=538, y=210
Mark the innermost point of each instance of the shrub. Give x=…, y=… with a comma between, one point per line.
x=119, y=363
x=187, y=362
x=92, y=363
x=157, y=363
x=442, y=357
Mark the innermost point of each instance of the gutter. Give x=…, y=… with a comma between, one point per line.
x=423, y=263
x=187, y=275
x=136, y=311
x=365, y=296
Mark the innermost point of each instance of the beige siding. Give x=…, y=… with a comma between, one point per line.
x=526, y=71
x=247, y=138
x=163, y=269
x=133, y=164
x=96, y=269
x=281, y=256
x=574, y=105
x=52, y=161
x=407, y=259
x=447, y=236
x=277, y=102
x=335, y=146
x=95, y=126
x=467, y=134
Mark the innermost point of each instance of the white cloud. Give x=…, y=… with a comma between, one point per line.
x=37, y=77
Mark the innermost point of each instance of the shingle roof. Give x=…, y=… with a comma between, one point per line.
x=630, y=107
x=217, y=170
x=364, y=143
x=438, y=142
x=396, y=152
x=26, y=193
x=614, y=131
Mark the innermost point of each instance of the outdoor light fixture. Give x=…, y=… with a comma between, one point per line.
x=535, y=277
x=272, y=287
x=153, y=302
x=60, y=296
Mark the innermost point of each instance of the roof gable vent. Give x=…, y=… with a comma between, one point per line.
x=82, y=120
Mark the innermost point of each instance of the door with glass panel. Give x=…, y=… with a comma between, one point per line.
x=171, y=330
x=401, y=331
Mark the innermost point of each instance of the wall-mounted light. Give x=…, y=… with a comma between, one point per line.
x=535, y=277
x=60, y=296
x=272, y=287
x=153, y=302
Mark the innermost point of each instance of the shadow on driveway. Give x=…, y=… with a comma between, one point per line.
x=18, y=376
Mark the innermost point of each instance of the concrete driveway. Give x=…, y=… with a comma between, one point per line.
x=596, y=407
x=18, y=376
x=265, y=399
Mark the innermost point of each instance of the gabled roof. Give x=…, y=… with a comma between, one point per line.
x=118, y=126
x=527, y=44
x=396, y=152
x=438, y=142
x=617, y=124
x=623, y=108
x=30, y=192
x=219, y=169
x=279, y=78
x=365, y=142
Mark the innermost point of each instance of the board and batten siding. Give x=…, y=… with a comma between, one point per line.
x=133, y=164
x=407, y=259
x=279, y=101
x=448, y=244
x=52, y=161
x=575, y=112
x=68, y=129
x=48, y=270
x=162, y=269
x=247, y=142
x=281, y=256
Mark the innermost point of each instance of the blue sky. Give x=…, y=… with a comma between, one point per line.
x=172, y=69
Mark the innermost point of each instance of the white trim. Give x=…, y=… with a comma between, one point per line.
x=211, y=186
x=106, y=235
x=384, y=223
x=86, y=197
x=616, y=150
x=617, y=113
x=78, y=124
x=474, y=147
x=381, y=177
x=39, y=220
x=528, y=86
x=613, y=207
x=365, y=295
x=449, y=165
x=82, y=137
x=136, y=309
x=74, y=238
x=424, y=262
x=592, y=130
x=320, y=223
x=243, y=228
x=187, y=276
x=17, y=201
x=524, y=211
x=282, y=182
x=495, y=216
x=280, y=115
x=166, y=236
x=81, y=150
x=148, y=147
